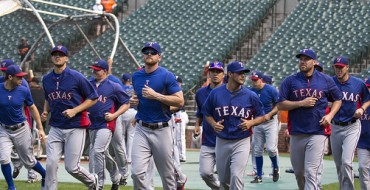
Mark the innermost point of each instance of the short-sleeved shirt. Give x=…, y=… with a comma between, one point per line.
x=364, y=141
x=355, y=93
x=66, y=91
x=222, y=104
x=296, y=88
x=268, y=96
x=161, y=81
x=208, y=134
x=12, y=104
x=111, y=97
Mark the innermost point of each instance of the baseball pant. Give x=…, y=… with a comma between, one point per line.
x=363, y=156
x=207, y=162
x=180, y=134
x=231, y=161
x=343, y=145
x=100, y=157
x=180, y=176
x=118, y=146
x=17, y=163
x=157, y=143
x=21, y=140
x=306, y=156
x=128, y=131
x=69, y=142
x=266, y=135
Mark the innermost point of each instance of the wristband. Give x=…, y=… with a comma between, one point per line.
x=362, y=109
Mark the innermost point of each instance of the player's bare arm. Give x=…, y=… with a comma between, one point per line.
x=198, y=122
x=326, y=120
x=69, y=113
x=176, y=99
x=291, y=105
x=120, y=111
x=36, y=116
x=247, y=124
x=217, y=126
x=360, y=111
x=273, y=112
x=45, y=112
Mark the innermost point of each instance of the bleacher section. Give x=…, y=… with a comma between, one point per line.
x=331, y=28
x=191, y=32
x=24, y=23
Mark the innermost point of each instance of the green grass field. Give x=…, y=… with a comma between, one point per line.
x=21, y=185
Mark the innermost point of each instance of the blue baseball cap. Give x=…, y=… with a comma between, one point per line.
x=14, y=70
x=267, y=79
x=341, y=61
x=307, y=52
x=367, y=82
x=216, y=65
x=100, y=65
x=255, y=75
x=6, y=63
x=153, y=45
x=59, y=48
x=236, y=67
x=126, y=76
x=319, y=67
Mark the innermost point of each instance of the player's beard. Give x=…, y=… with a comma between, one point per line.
x=60, y=65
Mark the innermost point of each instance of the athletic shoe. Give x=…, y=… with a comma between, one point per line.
x=182, y=160
x=95, y=185
x=257, y=179
x=15, y=173
x=115, y=187
x=252, y=173
x=290, y=170
x=356, y=176
x=275, y=175
x=182, y=186
x=123, y=181
x=32, y=180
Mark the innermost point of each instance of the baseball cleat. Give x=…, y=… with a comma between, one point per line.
x=257, y=179
x=115, y=187
x=182, y=186
x=290, y=170
x=95, y=185
x=123, y=181
x=275, y=175
x=32, y=180
x=15, y=173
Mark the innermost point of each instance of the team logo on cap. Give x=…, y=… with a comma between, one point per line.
x=339, y=59
x=59, y=47
x=3, y=64
x=304, y=50
x=151, y=44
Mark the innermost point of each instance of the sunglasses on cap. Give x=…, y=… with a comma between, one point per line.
x=150, y=51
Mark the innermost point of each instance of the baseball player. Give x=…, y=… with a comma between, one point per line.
x=156, y=89
x=112, y=102
x=305, y=95
x=68, y=94
x=363, y=148
x=207, y=158
x=346, y=126
x=267, y=132
x=14, y=129
x=181, y=119
x=17, y=163
x=232, y=110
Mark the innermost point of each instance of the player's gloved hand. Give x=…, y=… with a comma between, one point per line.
x=44, y=116
x=69, y=113
x=308, y=102
x=358, y=113
x=218, y=127
x=246, y=124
